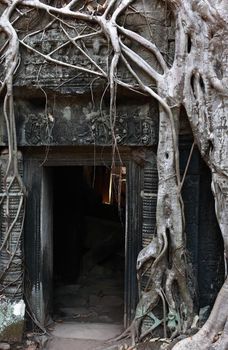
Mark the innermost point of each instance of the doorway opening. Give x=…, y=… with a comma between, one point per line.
x=88, y=243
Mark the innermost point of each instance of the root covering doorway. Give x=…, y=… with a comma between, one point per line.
x=88, y=243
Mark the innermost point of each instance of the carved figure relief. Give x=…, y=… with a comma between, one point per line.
x=87, y=126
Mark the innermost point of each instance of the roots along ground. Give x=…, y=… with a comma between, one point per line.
x=197, y=80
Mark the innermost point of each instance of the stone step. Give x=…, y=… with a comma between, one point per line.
x=88, y=331
x=83, y=336
x=72, y=344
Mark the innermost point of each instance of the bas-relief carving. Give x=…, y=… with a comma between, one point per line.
x=38, y=129
x=35, y=72
x=134, y=125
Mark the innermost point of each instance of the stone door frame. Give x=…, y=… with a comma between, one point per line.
x=38, y=245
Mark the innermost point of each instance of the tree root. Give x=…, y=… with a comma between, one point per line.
x=190, y=81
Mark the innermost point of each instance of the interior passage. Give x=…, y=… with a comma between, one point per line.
x=88, y=240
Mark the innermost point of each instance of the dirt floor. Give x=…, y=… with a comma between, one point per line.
x=83, y=336
x=83, y=344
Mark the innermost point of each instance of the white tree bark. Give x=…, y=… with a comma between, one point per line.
x=196, y=80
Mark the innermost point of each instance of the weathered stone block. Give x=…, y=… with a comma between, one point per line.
x=4, y=346
x=11, y=320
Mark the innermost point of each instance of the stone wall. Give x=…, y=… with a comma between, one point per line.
x=59, y=105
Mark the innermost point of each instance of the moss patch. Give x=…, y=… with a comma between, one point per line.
x=13, y=332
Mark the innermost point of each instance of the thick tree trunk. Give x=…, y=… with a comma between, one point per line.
x=205, y=100
x=170, y=222
x=197, y=80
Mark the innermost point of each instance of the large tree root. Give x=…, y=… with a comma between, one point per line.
x=214, y=334
x=197, y=79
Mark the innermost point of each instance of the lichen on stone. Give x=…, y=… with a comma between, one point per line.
x=11, y=320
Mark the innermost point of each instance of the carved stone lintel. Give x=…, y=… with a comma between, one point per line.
x=86, y=126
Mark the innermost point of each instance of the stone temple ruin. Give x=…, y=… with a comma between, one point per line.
x=89, y=212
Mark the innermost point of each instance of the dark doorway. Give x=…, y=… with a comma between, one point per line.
x=88, y=243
